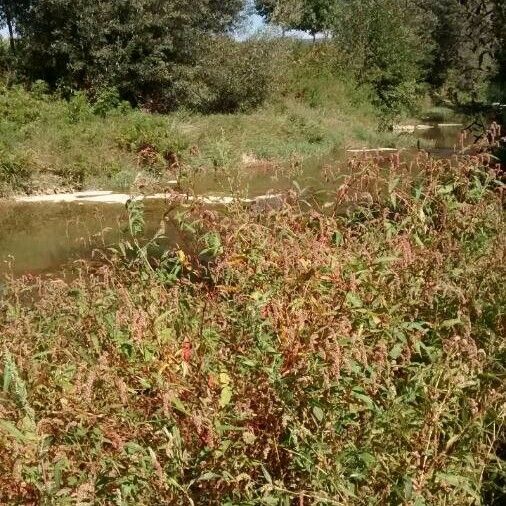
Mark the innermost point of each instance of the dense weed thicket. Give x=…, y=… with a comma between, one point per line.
x=276, y=357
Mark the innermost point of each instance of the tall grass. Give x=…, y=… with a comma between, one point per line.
x=275, y=357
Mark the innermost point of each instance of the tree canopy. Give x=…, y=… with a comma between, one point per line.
x=160, y=53
x=468, y=42
x=311, y=16
x=145, y=48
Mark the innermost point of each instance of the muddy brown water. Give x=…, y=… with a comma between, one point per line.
x=40, y=238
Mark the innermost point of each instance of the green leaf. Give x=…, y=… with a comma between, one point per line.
x=226, y=396
x=208, y=476
x=318, y=413
x=452, y=441
x=459, y=482
x=444, y=190
x=11, y=430
x=179, y=405
x=415, y=326
x=353, y=300
x=408, y=488
x=396, y=351
x=418, y=240
x=365, y=399
x=337, y=238
x=448, y=324
x=368, y=459
x=7, y=376
x=59, y=467
x=429, y=350
x=266, y=475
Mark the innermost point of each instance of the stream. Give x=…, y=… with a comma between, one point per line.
x=41, y=237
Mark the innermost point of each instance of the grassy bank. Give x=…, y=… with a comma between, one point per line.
x=48, y=144
x=315, y=358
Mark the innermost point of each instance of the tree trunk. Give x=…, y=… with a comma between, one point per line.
x=6, y=8
x=11, y=32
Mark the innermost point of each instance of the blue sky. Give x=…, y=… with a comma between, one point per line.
x=253, y=24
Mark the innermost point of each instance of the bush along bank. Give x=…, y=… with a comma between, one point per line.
x=272, y=357
x=49, y=144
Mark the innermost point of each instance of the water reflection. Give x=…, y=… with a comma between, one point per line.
x=36, y=238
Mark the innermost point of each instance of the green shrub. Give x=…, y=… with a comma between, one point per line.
x=146, y=49
x=78, y=107
x=19, y=107
x=236, y=76
x=383, y=42
x=106, y=100
x=39, y=88
x=7, y=61
x=306, y=115
x=159, y=135
x=15, y=173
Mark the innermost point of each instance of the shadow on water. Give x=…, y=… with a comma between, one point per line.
x=40, y=238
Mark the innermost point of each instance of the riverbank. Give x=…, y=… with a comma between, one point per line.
x=50, y=145
x=109, y=197
x=44, y=233
x=54, y=147
x=271, y=357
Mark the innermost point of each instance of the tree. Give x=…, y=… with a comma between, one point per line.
x=317, y=16
x=6, y=19
x=9, y=12
x=468, y=37
x=144, y=48
x=446, y=31
x=499, y=22
x=311, y=16
x=384, y=46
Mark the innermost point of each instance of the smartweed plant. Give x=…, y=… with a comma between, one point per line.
x=349, y=355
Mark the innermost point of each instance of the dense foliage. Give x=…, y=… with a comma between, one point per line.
x=50, y=144
x=166, y=55
x=455, y=46
x=341, y=344
x=469, y=42
x=310, y=357
x=384, y=43
x=312, y=16
x=145, y=48
x=499, y=22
